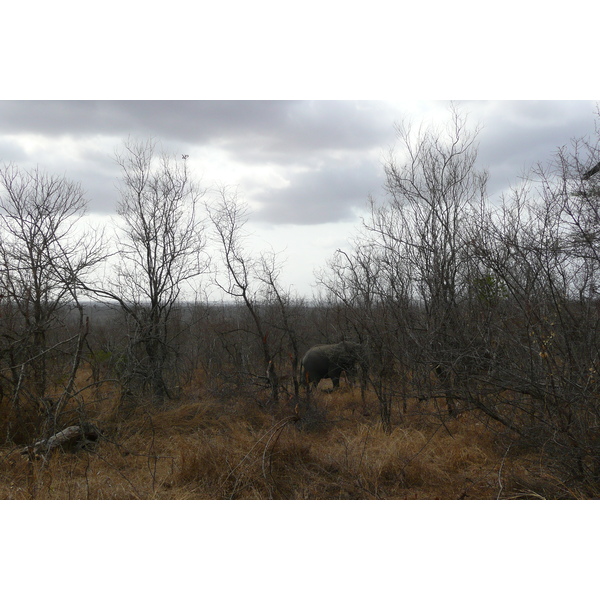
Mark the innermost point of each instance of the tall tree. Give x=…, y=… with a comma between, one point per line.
x=254, y=281
x=161, y=246
x=45, y=258
x=434, y=187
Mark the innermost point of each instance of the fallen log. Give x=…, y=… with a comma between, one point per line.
x=73, y=437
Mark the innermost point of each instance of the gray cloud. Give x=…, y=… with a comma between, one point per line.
x=282, y=133
x=273, y=126
x=327, y=195
x=308, y=127
x=191, y=121
x=11, y=151
x=517, y=135
x=323, y=148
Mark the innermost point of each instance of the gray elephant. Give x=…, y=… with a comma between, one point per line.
x=327, y=361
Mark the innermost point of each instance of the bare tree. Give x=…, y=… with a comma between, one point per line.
x=161, y=246
x=45, y=259
x=254, y=281
x=543, y=248
x=286, y=319
x=419, y=239
x=360, y=284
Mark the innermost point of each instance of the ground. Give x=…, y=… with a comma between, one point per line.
x=241, y=448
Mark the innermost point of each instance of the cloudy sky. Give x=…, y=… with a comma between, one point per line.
x=306, y=168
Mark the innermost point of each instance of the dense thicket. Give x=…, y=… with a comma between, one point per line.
x=487, y=306
x=469, y=303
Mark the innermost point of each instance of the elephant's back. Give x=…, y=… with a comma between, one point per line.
x=310, y=357
x=316, y=359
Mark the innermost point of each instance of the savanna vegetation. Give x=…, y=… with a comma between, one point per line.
x=478, y=316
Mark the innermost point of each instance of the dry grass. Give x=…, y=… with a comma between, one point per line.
x=235, y=449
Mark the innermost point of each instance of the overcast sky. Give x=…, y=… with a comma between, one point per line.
x=306, y=168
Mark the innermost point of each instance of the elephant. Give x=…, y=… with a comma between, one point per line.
x=327, y=361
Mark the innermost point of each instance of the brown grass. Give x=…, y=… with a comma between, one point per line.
x=236, y=449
